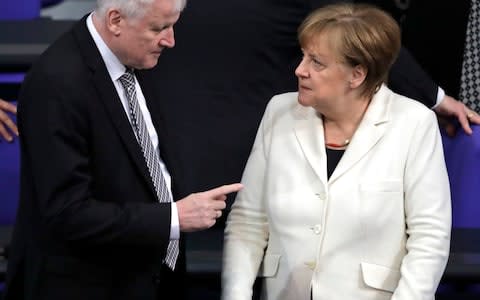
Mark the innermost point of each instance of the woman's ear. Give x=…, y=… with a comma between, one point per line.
x=359, y=73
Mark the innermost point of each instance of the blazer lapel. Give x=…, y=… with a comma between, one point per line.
x=107, y=94
x=308, y=129
x=368, y=133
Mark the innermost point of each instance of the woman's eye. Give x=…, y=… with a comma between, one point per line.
x=316, y=64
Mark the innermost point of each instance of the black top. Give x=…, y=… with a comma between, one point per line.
x=333, y=157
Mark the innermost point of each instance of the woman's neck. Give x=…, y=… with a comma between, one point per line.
x=341, y=124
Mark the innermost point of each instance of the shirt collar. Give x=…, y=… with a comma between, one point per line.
x=114, y=67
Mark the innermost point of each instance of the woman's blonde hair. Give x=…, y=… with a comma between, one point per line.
x=360, y=34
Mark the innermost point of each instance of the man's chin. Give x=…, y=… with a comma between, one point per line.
x=149, y=65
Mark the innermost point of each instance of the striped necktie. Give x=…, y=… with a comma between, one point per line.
x=151, y=156
x=470, y=80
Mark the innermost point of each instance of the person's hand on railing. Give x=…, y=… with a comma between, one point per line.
x=451, y=107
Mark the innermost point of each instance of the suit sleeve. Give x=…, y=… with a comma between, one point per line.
x=408, y=78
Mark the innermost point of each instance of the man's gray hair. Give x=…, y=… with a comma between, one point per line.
x=132, y=8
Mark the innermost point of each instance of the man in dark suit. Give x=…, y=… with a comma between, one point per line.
x=432, y=40
x=91, y=223
x=435, y=40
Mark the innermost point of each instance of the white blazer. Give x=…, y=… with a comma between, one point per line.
x=378, y=228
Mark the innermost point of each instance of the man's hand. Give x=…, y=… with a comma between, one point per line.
x=201, y=210
x=450, y=107
x=7, y=126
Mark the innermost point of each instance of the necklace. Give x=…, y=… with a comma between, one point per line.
x=333, y=145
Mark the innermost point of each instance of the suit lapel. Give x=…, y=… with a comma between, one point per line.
x=368, y=133
x=146, y=81
x=308, y=129
x=108, y=96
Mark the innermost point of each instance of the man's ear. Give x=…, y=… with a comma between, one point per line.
x=359, y=73
x=114, y=21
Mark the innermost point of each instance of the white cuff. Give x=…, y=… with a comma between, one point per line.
x=175, y=226
x=440, y=96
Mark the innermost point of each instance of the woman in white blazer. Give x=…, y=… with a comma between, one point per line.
x=346, y=194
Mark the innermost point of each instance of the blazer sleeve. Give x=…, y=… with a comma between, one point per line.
x=246, y=232
x=427, y=213
x=408, y=78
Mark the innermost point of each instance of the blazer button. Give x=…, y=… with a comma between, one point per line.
x=317, y=229
x=311, y=265
x=321, y=196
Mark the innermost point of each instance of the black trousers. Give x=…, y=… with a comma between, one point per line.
x=169, y=282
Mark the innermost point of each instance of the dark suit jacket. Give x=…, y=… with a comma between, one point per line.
x=89, y=225
x=230, y=58
x=435, y=32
